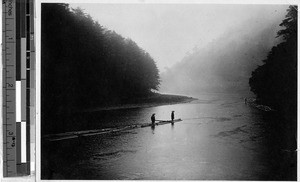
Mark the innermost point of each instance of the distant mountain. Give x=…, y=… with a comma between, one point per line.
x=225, y=64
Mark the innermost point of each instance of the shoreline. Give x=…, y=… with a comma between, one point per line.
x=252, y=102
x=151, y=101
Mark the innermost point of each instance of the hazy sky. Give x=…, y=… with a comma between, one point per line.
x=169, y=31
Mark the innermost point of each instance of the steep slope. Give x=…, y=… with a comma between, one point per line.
x=225, y=64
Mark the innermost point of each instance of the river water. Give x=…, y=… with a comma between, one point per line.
x=220, y=138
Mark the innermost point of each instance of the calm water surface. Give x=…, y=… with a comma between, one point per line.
x=220, y=138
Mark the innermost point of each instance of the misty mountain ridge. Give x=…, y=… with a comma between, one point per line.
x=225, y=64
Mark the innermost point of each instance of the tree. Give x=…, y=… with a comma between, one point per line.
x=85, y=65
x=275, y=82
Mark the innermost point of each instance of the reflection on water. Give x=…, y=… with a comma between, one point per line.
x=220, y=138
x=153, y=128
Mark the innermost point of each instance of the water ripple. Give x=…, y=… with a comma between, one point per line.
x=106, y=155
x=231, y=132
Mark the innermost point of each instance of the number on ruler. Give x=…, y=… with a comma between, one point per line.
x=10, y=8
x=13, y=142
x=10, y=85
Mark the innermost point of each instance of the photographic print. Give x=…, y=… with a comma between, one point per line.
x=168, y=91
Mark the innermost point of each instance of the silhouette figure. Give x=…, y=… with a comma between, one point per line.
x=172, y=115
x=153, y=119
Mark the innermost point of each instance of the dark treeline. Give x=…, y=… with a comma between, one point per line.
x=275, y=82
x=85, y=65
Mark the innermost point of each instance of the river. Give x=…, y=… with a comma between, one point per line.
x=220, y=138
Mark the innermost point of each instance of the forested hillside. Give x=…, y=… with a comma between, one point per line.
x=275, y=82
x=225, y=64
x=85, y=65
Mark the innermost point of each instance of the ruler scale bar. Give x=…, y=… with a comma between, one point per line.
x=29, y=20
x=23, y=142
x=27, y=8
x=18, y=85
x=18, y=101
x=23, y=58
x=18, y=133
x=22, y=19
x=23, y=100
x=9, y=129
x=18, y=41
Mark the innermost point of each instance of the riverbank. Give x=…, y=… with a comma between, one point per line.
x=150, y=101
x=252, y=102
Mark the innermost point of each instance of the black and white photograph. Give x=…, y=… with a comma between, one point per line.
x=168, y=91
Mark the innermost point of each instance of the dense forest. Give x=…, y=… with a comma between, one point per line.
x=85, y=65
x=275, y=82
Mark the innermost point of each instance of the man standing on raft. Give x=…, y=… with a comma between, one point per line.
x=153, y=119
x=172, y=116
